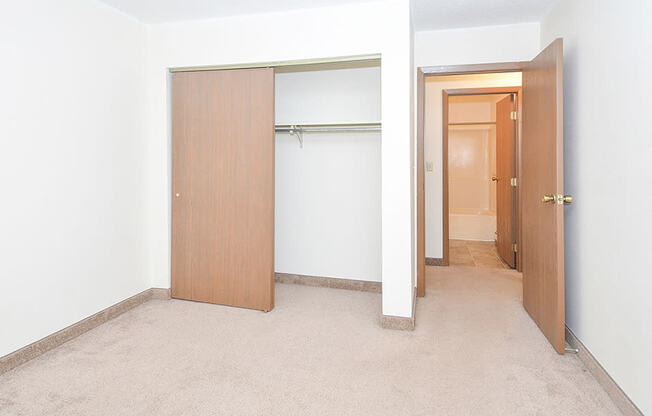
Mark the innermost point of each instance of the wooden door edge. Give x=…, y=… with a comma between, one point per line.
x=421, y=197
x=445, y=202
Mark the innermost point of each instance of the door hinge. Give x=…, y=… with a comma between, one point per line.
x=514, y=248
x=513, y=115
x=513, y=182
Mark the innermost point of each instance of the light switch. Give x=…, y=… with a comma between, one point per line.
x=429, y=167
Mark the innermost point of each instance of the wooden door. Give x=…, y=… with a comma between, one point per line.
x=542, y=184
x=223, y=187
x=505, y=171
x=421, y=189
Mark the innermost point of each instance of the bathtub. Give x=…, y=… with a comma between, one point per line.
x=472, y=225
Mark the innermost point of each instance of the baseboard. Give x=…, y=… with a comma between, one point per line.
x=431, y=261
x=617, y=395
x=399, y=322
x=31, y=351
x=330, y=282
x=160, y=293
x=386, y=321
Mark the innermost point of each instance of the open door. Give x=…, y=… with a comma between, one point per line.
x=223, y=187
x=505, y=192
x=421, y=189
x=542, y=193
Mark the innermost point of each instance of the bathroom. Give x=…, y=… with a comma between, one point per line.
x=472, y=180
x=471, y=136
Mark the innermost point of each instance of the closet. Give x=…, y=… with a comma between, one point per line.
x=275, y=170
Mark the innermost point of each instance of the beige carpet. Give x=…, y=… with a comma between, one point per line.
x=320, y=352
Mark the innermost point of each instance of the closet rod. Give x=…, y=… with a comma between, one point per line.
x=299, y=129
x=308, y=128
x=472, y=123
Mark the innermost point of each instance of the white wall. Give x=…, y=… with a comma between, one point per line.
x=366, y=28
x=608, y=159
x=477, y=45
x=433, y=144
x=328, y=192
x=73, y=165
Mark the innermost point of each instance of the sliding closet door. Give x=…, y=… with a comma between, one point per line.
x=223, y=187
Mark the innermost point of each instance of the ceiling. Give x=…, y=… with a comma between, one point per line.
x=159, y=11
x=428, y=14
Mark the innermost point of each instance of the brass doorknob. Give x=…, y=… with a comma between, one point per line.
x=564, y=199
x=494, y=178
x=548, y=198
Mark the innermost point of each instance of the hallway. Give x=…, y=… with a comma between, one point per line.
x=476, y=254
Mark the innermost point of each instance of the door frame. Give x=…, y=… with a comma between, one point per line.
x=431, y=71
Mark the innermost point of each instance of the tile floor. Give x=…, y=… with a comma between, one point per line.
x=475, y=253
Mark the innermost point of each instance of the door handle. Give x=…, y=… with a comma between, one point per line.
x=560, y=199
x=494, y=178
x=564, y=199
x=548, y=198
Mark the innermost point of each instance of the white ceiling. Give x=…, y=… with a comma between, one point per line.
x=428, y=14
x=158, y=11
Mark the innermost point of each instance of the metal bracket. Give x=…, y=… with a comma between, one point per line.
x=572, y=350
x=296, y=131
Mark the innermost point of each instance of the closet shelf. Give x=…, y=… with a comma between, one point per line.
x=299, y=129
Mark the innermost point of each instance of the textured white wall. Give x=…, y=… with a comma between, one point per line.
x=73, y=165
x=328, y=192
x=476, y=45
x=607, y=163
x=367, y=28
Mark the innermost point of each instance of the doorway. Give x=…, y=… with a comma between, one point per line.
x=540, y=184
x=480, y=211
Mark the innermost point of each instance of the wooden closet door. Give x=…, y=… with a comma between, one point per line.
x=223, y=187
x=505, y=195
